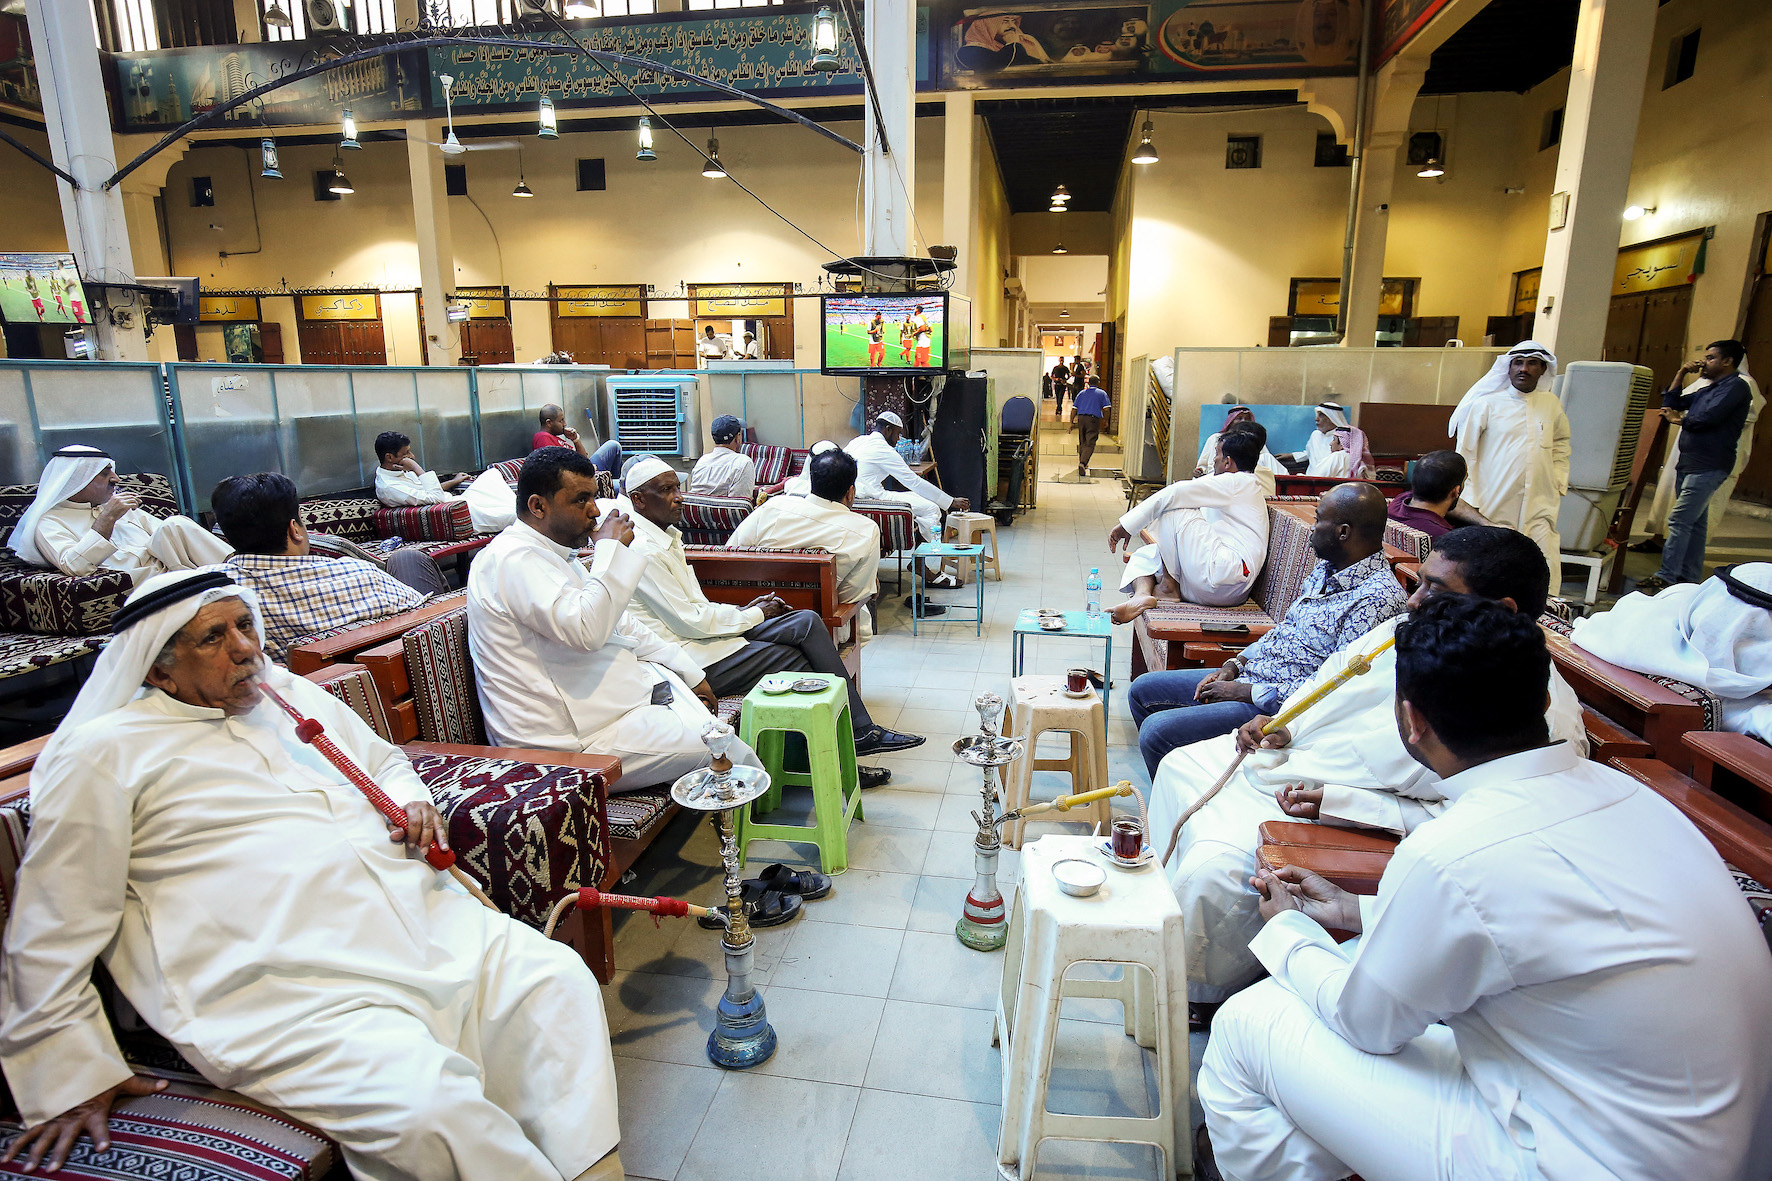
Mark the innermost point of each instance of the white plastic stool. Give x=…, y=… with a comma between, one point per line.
x=1038, y=705
x=1594, y=566
x=972, y=529
x=1132, y=921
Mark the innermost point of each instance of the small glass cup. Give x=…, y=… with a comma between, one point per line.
x=1076, y=679
x=1128, y=838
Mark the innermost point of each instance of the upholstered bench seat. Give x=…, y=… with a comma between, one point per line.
x=21, y=653
x=634, y=812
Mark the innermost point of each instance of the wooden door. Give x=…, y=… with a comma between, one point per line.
x=487, y=342
x=341, y=342
x=617, y=341
x=184, y=336
x=1756, y=478
x=1663, y=347
x=1430, y=332
x=1624, y=329
x=270, y=338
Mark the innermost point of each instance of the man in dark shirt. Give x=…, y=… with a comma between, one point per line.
x=1431, y=504
x=1087, y=411
x=1711, y=417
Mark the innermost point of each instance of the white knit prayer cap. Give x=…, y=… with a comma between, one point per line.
x=71, y=469
x=642, y=469
x=823, y=445
x=890, y=418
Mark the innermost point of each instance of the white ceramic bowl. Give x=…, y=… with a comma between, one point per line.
x=1078, y=878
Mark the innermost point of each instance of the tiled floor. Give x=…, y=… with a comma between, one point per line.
x=885, y=1068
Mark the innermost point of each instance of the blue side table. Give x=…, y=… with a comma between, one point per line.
x=1077, y=625
x=944, y=549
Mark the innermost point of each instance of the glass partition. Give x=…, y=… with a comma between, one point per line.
x=771, y=402
x=46, y=405
x=511, y=398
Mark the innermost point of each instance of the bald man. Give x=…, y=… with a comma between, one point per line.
x=1351, y=591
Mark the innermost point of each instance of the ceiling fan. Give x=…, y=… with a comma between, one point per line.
x=450, y=145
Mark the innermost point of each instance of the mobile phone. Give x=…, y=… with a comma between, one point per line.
x=1226, y=629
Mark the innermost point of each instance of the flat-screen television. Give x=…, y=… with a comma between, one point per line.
x=884, y=334
x=179, y=305
x=42, y=289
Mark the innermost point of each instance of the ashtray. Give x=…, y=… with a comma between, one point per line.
x=809, y=685
x=778, y=684
x=1051, y=623
x=1144, y=858
x=1077, y=877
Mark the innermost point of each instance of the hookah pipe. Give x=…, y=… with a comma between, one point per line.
x=588, y=897
x=1066, y=803
x=314, y=734
x=1358, y=666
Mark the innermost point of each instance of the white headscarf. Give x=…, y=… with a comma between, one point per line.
x=1495, y=381
x=117, y=678
x=1335, y=413
x=1697, y=632
x=71, y=469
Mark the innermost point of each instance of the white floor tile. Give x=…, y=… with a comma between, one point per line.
x=835, y=957
x=763, y=1128
x=896, y=1137
x=936, y=1050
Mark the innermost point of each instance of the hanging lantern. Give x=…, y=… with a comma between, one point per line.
x=550, y=123
x=341, y=184
x=712, y=169
x=824, y=41
x=267, y=159
x=349, y=142
x=1146, y=152
x=645, y=152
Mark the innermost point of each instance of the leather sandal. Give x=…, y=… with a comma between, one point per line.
x=808, y=884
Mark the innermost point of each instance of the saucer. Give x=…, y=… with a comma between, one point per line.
x=1078, y=696
x=779, y=684
x=1106, y=849
x=1052, y=625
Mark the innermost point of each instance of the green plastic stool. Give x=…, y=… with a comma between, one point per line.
x=823, y=718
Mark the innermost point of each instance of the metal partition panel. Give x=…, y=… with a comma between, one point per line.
x=228, y=414
x=46, y=405
x=317, y=423
x=511, y=398
x=446, y=422
x=771, y=402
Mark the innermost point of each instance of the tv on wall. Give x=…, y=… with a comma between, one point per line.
x=884, y=334
x=42, y=289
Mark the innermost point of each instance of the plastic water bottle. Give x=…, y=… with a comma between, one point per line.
x=1092, y=587
x=395, y=542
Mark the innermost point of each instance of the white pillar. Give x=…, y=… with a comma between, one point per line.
x=959, y=186
x=435, y=239
x=1387, y=129
x=890, y=33
x=79, y=126
x=1606, y=81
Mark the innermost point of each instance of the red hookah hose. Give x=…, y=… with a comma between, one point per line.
x=314, y=734
x=588, y=898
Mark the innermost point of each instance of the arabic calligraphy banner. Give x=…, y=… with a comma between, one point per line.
x=602, y=300
x=228, y=309
x=366, y=306
x=485, y=303
x=1322, y=297
x=1656, y=265
x=738, y=301
x=1526, y=291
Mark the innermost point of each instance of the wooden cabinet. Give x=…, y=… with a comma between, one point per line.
x=670, y=344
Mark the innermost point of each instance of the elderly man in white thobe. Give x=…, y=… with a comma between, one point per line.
x=724, y=470
x=1514, y=437
x=1331, y=416
x=559, y=663
x=1237, y=416
x=1211, y=533
x=1340, y=763
x=1716, y=634
x=823, y=519
x=80, y=524
x=263, y=917
x=877, y=458
x=1558, y=977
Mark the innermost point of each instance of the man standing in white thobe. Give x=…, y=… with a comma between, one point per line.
x=80, y=523
x=1339, y=763
x=261, y=916
x=822, y=518
x=1514, y=437
x=724, y=470
x=877, y=460
x=1557, y=979
x=1211, y=532
x=559, y=664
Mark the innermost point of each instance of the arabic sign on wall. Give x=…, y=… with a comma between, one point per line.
x=485, y=303
x=738, y=301
x=768, y=52
x=1093, y=40
x=1399, y=21
x=166, y=87
x=228, y=309
x=364, y=306
x=601, y=300
x=1655, y=265
x=1526, y=291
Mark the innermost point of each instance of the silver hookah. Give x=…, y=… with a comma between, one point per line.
x=742, y=1036
x=982, y=926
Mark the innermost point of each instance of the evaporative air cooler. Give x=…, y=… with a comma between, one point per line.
x=656, y=413
x=1605, y=402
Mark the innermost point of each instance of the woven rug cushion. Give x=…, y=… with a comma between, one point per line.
x=774, y=464
x=1759, y=898
x=355, y=688
x=898, y=527
x=450, y=521
x=20, y=654
x=710, y=520
x=508, y=468
x=443, y=680
x=1408, y=538
x=632, y=813
x=530, y=833
x=350, y=517
x=1194, y=615
x=1290, y=560
x=728, y=709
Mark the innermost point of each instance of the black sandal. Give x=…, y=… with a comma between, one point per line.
x=764, y=907
x=808, y=884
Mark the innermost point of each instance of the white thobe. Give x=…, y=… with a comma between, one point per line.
x=1346, y=744
x=492, y=503
x=248, y=903
x=560, y=665
x=1209, y=456
x=1317, y=453
x=406, y=489
x=1211, y=534
x=1517, y=449
x=1338, y=466
x=875, y=461
x=722, y=472
x=141, y=545
x=668, y=598
x=1606, y=994
x=803, y=522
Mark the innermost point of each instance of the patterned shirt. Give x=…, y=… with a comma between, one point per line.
x=1335, y=607
x=305, y=594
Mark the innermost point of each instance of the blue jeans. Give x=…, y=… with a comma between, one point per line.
x=607, y=458
x=1163, y=705
x=1688, y=524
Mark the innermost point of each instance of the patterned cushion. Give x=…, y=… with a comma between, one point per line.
x=48, y=602
x=449, y=521
x=1759, y=898
x=774, y=464
x=898, y=527
x=351, y=684
x=529, y=833
x=351, y=517
x=1290, y=560
x=510, y=468
x=1408, y=538
x=632, y=813
x=443, y=681
x=710, y=520
x=728, y=710
x=21, y=654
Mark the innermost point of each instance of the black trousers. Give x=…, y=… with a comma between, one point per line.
x=796, y=642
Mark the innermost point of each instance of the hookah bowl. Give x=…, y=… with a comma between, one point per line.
x=982, y=926
x=742, y=1036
